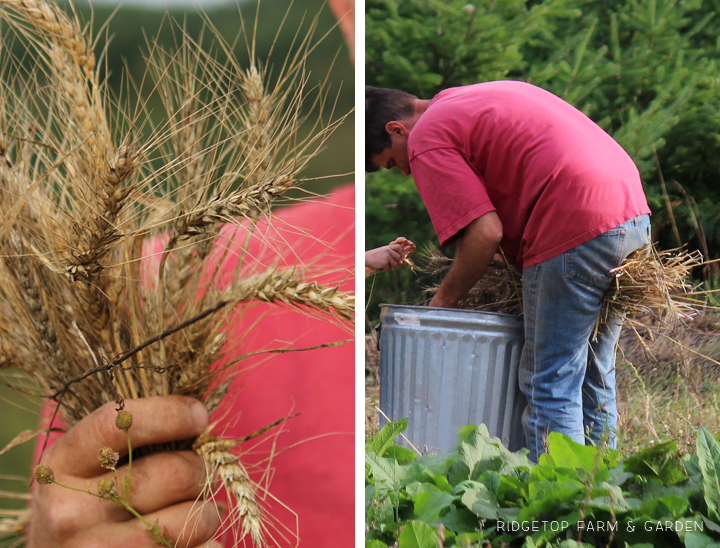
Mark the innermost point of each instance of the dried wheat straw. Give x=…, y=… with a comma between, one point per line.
x=499, y=290
x=655, y=283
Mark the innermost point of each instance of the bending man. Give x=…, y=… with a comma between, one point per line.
x=509, y=164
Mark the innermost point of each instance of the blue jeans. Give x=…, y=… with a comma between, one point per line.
x=567, y=378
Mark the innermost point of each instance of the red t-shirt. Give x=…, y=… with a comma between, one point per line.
x=554, y=177
x=311, y=473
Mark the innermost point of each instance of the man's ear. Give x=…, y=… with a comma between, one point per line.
x=396, y=128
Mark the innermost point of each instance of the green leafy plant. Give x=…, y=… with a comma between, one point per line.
x=483, y=495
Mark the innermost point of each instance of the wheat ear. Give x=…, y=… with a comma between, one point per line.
x=284, y=286
x=222, y=464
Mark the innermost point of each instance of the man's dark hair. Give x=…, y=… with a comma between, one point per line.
x=383, y=105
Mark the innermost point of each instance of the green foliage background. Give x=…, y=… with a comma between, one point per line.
x=646, y=71
x=128, y=32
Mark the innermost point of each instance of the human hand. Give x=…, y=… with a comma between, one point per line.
x=384, y=258
x=440, y=302
x=407, y=245
x=165, y=485
x=390, y=256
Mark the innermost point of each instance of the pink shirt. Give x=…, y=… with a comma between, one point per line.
x=554, y=177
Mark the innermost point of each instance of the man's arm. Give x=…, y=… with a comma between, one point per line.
x=477, y=244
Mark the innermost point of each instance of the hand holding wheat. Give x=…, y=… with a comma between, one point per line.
x=166, y=484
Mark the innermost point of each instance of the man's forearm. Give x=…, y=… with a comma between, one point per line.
x=476, y=247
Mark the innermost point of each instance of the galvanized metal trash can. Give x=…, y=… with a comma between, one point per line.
x=444, y=369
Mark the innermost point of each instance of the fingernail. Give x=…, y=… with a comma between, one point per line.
x=199, y=415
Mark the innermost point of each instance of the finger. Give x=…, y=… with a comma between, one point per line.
x=186, y=525
x=164, y=479
x=60, y=514
x=395, y=252
x=155, y=420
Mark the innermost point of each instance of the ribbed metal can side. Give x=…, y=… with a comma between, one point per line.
x=444, y=369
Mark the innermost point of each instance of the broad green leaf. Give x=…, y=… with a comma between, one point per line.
x=479, y=452
x=652, y=489
x=708, y=451
x=379, y=443
x=417, y=487
x=538, y=490
x=492, y=480
x=548, y=504
x=467, y=485
x=458, y=472
x=711, y=525
x=375, y=544
x=466, y=431
x=660, y=462
x=442, y=483
x=563, y=523
x=460, y=520
x=416, y=534
x=511, y=491
x=690, y=524
x=430, y=504
x=567, y=453
x=389, y=471
x=695, y=539
x=618, y=475
x=378, y=506
x=481, y=501
x=401, y=454
x=546, y=472
x=691, y=464
x=670, y=506
x=608, y=497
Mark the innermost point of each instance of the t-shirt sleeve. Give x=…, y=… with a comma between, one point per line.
x=453, y=192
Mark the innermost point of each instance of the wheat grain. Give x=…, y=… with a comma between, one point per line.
x=283, y=286
x=228, y=468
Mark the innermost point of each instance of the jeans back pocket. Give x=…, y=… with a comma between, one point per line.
x=590, y=263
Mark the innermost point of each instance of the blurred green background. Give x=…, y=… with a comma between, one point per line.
x=128, y=31
x=647, y=72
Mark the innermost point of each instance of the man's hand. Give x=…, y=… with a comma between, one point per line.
x=439, y=302
x=165, y=485
x=389, y=256
x=477, y=244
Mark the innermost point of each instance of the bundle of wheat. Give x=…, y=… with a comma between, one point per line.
x=84, y=197
x=499, y=290
x=654, y=283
